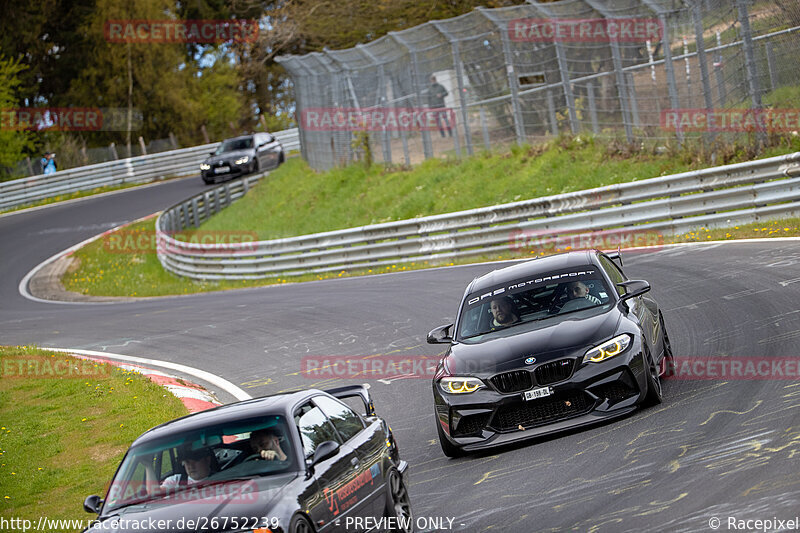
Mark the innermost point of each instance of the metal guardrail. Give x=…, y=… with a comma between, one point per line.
x=720, y=196
x=142, y=169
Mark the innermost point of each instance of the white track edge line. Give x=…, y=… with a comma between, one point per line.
x=208, y=377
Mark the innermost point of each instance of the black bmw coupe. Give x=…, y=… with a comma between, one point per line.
x=547, y=345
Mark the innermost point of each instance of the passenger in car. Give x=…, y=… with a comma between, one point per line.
x=578, y=289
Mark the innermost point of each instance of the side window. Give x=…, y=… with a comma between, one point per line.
x=614, y=273
x=344, y=419
x=314, y=427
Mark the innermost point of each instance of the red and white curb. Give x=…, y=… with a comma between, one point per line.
x=192, y=395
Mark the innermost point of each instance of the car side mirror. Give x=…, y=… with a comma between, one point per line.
x=325, y=450
x=212, y=153
x=633, y=288
x=92, y=504
x=440, y=335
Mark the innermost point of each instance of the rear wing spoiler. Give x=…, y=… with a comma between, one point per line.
x=351, y=391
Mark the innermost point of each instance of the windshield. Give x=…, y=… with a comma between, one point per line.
x=526, y=300
x=234, y=145
x=215, y=455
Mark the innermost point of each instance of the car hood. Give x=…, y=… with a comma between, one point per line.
x=544, y=341
x=248, y=498
x=229, y=156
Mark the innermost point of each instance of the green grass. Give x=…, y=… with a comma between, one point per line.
x=295, y=200
x=61, y=437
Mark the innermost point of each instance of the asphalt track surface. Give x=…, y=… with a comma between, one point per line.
x=714, y=448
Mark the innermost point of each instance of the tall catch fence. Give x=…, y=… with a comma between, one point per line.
x=629, y=69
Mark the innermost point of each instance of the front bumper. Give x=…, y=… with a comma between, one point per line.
x=233, y=172
x=592, y=393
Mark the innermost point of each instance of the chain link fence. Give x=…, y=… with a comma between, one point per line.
x=633, y=69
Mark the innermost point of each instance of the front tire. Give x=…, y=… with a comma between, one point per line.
x=654, y=395
x=667, y=366
x=398, y=503
x=300, y=524
x=448, y=448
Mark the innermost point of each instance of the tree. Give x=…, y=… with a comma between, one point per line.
x=13, y=143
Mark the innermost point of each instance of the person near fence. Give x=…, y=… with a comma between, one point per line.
x=48, y=163
x=436, y=95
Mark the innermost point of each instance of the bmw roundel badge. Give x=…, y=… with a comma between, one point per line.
x=530, y=360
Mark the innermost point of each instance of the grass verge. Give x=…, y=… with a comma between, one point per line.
x=295, y=201
x=63, y=432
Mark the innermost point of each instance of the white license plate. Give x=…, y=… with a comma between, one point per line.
x=220, y=170
x=538, y=393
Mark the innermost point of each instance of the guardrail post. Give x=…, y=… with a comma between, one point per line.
x=195, y=217
x=227, y=194
x=216, y=200
x=185, y=213
x=206, y=201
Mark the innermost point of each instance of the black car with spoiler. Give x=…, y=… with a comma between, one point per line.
x=547, y=345
x=296, y=462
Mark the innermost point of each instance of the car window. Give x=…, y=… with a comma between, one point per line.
x=614, y=273
x=233, y=145
x=344, y=419
x=541, y=296
x=314, y=427
x=153, y=469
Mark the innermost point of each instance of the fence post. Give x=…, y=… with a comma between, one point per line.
x=592, y=107
x=672, y=87
x=697, y=17
x=551, y=113
x=195, y=214
x=502, y=28
x=113, y=149
x=173, y=141
x=485, y=128
x=563, y=69
x=462, y=95
x=750, y=65
x=632, y=99
x=773, y=76
x=723, y=96
x=142, y=145
x=427, y=147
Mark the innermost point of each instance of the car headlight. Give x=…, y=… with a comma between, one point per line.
x=242, y=160
x=615, y=346
x=205, y=166
x=459, y=385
